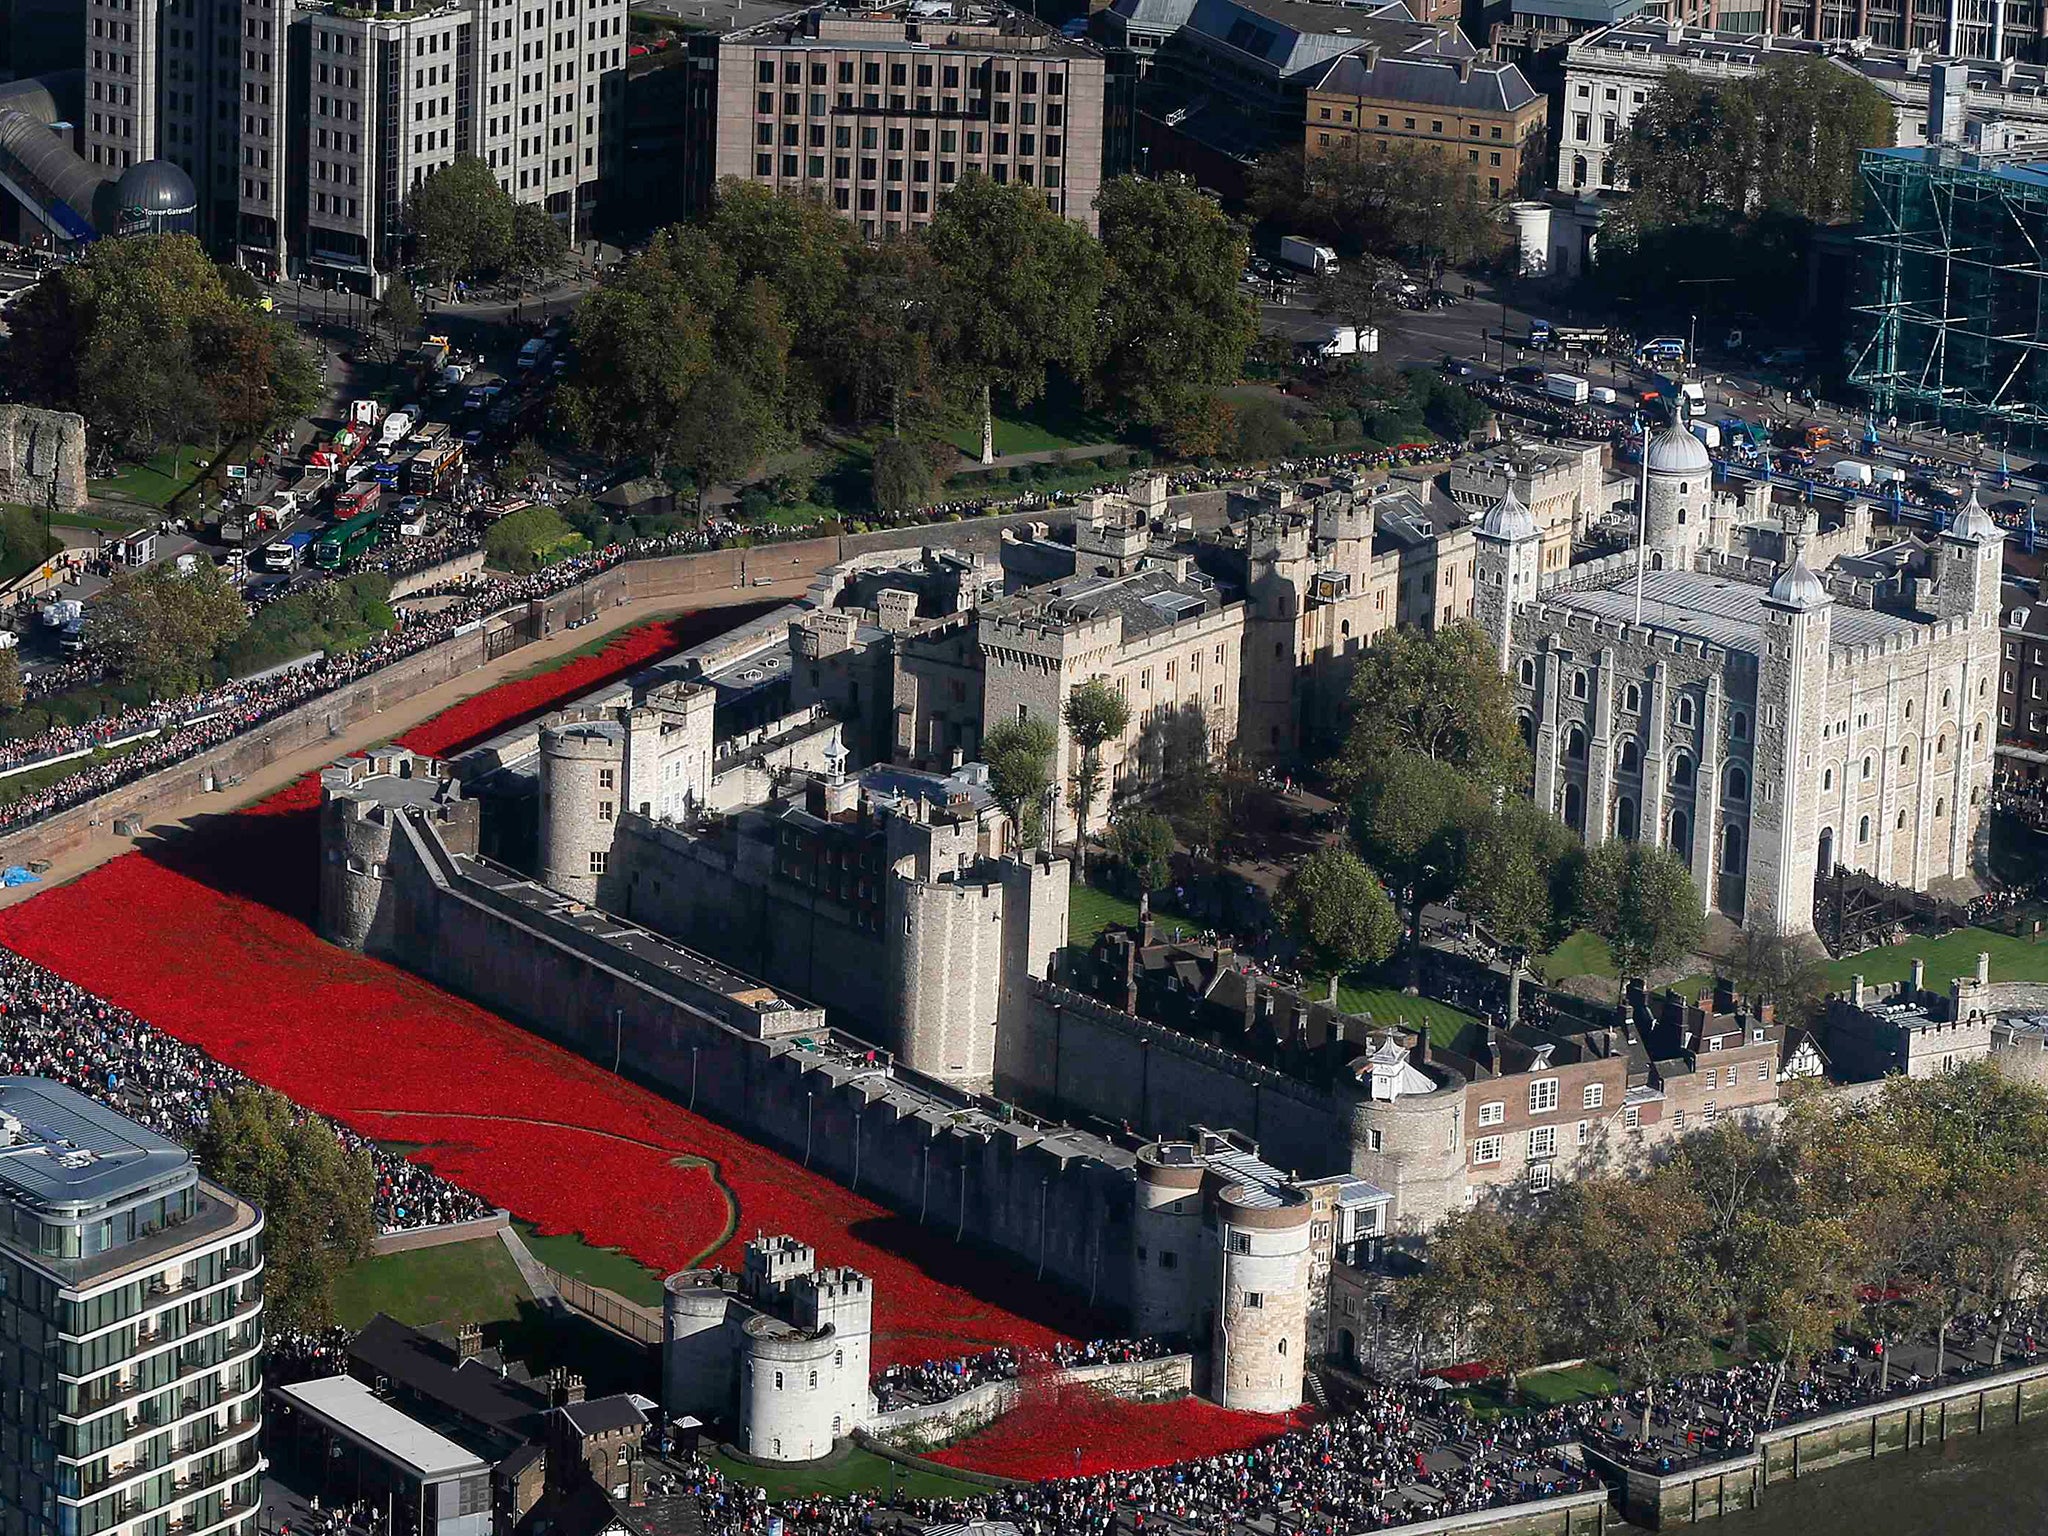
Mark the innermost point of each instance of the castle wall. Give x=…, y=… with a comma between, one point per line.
x=1088, y=1058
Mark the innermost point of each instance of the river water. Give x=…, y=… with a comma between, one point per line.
x=1996, y=1485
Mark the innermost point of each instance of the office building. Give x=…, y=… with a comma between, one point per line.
x=131, y=1335
x=1481, y=115
x=878, y=112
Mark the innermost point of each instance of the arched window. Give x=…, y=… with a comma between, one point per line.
x=1863, y=829
x=1827, y=778
x=1868, y=764
x=1575, y=808
x=1578, y=170
x=1737, y=780
x=1632, y=699
x=1631, y=757
x=1946, y=698
x=1738, y=725
x=1941, y=744
x=1826, y=862
x=1625, y=819
x=1732, y=849
x=1656, y=562
x=1902, y=822
x=1685, y=709
x=1681, y=513
x=1683, y=488
x=1909, y=709
x=1575, y=744
x=1528, y=672
x=1528, y=732
x=1681, y=833
x=1940, y=809
x=1977, y=737
x=1579, y=685
x=1681, y=772
x=1905, y=755
x=1345, y=627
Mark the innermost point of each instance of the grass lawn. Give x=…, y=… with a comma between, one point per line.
x=157, y=480
x=856, y=1472
x=1540, y=1389
x=1390, y=1005
x=1952, y=955
x=605, y=1267
x=94, y=522
x=1042, y=428
x=473, y=1282
x=1091, y=909
x=1583, y=954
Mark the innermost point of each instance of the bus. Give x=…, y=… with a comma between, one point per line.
x=347, y=540
x=428, y=472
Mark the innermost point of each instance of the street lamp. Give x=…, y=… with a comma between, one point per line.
x=1692, y=343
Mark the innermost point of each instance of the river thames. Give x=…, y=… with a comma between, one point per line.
x=1996, y=1485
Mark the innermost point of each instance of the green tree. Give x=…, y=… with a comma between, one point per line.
x=906, y=473
x=1788, y=970
x=1019, y=755
x=1095, y=714
x=538, y=244
x=1175, y=318
x=530, y=538
x=1439, y=694
x=164, y=630
x=315, y=1197
x=642, y=348
x=1412, y=820
x=1176, y=758
x=1021, y=286
x=1513, y=873
x=400, y=311
x=798, y=246
x=11, y=694
x=255, y=371
x=462, y=221
x=1477, y=1280
x=1411, y=204
x=525, y=460
x=1642, y=901
x=1142, y=842
x=1338, y=912
x=887, y=351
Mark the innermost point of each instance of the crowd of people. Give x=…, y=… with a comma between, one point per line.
x=51, y=1028
x=936, y=1381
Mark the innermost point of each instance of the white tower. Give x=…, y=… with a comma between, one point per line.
x=1508, y=563
x=1678, y=498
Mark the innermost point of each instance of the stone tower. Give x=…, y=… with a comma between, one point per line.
x=1792, y=708
x=1678, y=499
x=1507, y=563
x=362, y=800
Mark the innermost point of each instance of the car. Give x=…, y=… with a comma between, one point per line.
x=474, y=398
x=472, y=438
x=407, y=505
x=494, y=389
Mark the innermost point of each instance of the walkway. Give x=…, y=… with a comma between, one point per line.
x=105, y=845
x=531, y=1270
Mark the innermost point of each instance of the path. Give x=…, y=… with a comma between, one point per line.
x=531, y=1270
x=105, y=845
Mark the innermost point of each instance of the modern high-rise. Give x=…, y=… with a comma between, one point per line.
x=879, y=112
x=304, y=126
x=131, y=1329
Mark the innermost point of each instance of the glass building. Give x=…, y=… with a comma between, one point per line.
x=131, y=1329
x=1950, y=320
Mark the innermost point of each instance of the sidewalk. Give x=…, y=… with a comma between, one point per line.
x=106, y=845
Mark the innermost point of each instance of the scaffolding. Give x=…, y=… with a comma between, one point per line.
x=1952, y=288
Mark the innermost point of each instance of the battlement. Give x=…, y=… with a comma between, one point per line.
x=371, y=786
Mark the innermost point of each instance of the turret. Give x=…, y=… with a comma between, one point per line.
x=1507, y=566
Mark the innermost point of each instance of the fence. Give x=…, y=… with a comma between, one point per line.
x=641, y=1324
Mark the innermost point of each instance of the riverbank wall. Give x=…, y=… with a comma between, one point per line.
x=1689, y=1495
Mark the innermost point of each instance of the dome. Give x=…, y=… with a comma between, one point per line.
x=1797, y=587
x=1973, y=522
x=1675, y=451
x=1508, y=519
x=155, y=189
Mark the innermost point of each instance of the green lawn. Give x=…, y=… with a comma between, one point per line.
x=1583, y=954
x=473, y=1282
x=93, y=522
x=1541, y=1389
x=157, y=480
x=1091, y=909
x=1041, y=428
x=605, y=1267
x=857, y=1471
x=1390, y=1005
x=1953, y=955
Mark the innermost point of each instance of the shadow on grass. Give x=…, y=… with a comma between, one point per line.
x=606, y=1361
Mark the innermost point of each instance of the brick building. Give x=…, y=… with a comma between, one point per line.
x=1482, y=116
x=2023, y=684
x=879, y=112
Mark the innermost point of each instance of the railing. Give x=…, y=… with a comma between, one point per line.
x=614, y=1312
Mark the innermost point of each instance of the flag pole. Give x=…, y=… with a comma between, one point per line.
x=1642, y=522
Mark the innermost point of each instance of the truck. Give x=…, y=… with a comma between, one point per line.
x=534, y=354
x=433, y=354
x=430, y=434
x=285, y=554
x=1341, y=341
x=1854, y=471
x=396, y=427
x=338, y=452
x=1299, y=251
x=365, y=413
x=1568, y=387
x=1707, y=433
x=1684, y=398
x=1743, y=434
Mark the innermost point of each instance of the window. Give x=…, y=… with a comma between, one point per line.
x=1543, y=1095
x=1585, y=1132
x=1486, y=1149
x=1685, y=709
x=1543, y=1141
x=1632, y=699
x=1594, y=1096
x=1168, y=1259
x=1678, y=1119
x=1632, y=1118
x=1528, y=672
x=597, y=857
x=1710, y=1114
x=1239, y=1242
x=778, y=1386
x=1539, y=1177
x=1254, y=1300
x=1492, y=1112
x=1376, y=1139
x=604, y=810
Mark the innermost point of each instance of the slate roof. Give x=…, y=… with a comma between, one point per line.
x=1427, y=82
x=1717, y=609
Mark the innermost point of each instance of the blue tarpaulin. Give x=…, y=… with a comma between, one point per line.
x=14, y=874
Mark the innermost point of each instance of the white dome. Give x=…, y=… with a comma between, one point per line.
x=1508, y=519
x=1797, y=587
x=1675, y=451
x=1973, y=522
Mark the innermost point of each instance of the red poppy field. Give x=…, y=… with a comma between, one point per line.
x=210, y=938
x=1078, y=1431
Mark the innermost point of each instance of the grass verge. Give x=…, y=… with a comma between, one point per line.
x=1583, y=954
x=857, y=1471
x=1091, y=909
x=606, y=1267
x=158, y=480
x=473, y=1282
x=1951, y=955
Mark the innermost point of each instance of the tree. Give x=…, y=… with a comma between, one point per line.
x=805, y=252
x=164, y=630
x=886, y=352
x=526, y=460
x=1338, y=912
x=1441, y=695
x=401, y=312
x=1411, y=819
x=906, y=473
x=530, y=538
x=725, y=432
x=642, y=346
x=462, y=221
x=1477, y=1280
x=1176, y=758
x=1642, y=901
x=1021, y=286
x=11, y=693
x=1201, y=426
x=1512, y=880
x=1142, y=842
x=1175, y=316
x=1408, y=203
x=1095, y=714
x=315, y=1197
x=1788, y=970
x=1019, y=755
x=538, y=244
x=255, y=371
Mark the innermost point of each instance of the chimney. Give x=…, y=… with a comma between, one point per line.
x=572, y=1391
x=1919, y=976
x=1674, y=32
x=1145, y=918
x=1464, y=70
x=1130, y=974
x=2007, y=69
x=1856, y=991
x=469, y=1342
x=1983, y=967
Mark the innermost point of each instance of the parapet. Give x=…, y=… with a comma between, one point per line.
x=594, y=735
x=370, y=786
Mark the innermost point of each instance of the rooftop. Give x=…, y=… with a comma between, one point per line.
x=59, y=1149
x=347, y=1406
x=1717, y=609
x=916, y=26
x=1147, y=600
x=1431, y=82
